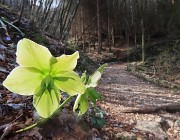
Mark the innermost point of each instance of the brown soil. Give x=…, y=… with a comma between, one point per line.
x=126, y=92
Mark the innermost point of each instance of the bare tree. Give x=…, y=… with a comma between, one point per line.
x=22, y=10
x=109, y=29
x=99, y=28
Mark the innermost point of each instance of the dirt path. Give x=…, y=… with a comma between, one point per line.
x=124, y=91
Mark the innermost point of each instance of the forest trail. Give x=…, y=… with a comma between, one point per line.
x=126, y=92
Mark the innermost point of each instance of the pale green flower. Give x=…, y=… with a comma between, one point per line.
x=82, y=100
x=42, y=75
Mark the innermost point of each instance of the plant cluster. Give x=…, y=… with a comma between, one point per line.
x=44, y=76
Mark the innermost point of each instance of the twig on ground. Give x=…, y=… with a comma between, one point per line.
x=168, y=108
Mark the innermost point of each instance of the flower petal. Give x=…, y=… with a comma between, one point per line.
x=95, y=77
x=46, y=103
x=23, y=80
x=65, y=63
x=31, y=54
x=70, y=82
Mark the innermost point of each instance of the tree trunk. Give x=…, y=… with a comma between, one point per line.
x=21, y=12
x=109, y=31
x=143, y=41
x=99, y=29
x=135, y=39
x=82, y=30
x=128, y=48
x=46, y=28
x=46, y=13
x=66, y=20
x=112, y=34
x=70, y=20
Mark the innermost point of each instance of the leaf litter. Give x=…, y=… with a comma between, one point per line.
x=125, y=92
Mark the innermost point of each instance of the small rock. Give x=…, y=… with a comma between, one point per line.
x=160, y=120
x=177, y=123
x=14, y=95
x=125, y=136
x=106, y=128
x=170, y=123
x=96, y=138
x=3, y=70
x=35, y=116
x=141, y=138
x=2, y=57
x=115, y=125
x=178, y=100
x=2, y=47
x=164, y=124
x=152, y=127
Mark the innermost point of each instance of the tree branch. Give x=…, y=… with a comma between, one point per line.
x=148, y=110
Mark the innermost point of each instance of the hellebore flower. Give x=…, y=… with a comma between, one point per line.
x=82, y=100
x=42, y=75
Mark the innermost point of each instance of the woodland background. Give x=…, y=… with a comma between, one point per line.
x=138, y=39
x=87, y=22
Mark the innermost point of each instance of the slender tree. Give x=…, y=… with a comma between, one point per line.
x=22, y=10
x=109, y=28
x=99, y=28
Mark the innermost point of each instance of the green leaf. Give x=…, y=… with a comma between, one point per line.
x=53, y=60
x=31, y=54
x=65, y=63
x=100, y=122
x=82, y=100
x=23, y=80
x=93, y=95
x=101, y=68
x=47, y=83
x=46, y=103
x=94, y=78
x=83, y=77
x=84, y=104
x=97, y=122
x=69, y=82
x=77, y=101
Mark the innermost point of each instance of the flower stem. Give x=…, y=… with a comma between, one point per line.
x=42, y=121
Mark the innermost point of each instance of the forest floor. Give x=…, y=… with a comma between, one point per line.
x=137, y=109
x=134, y=108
